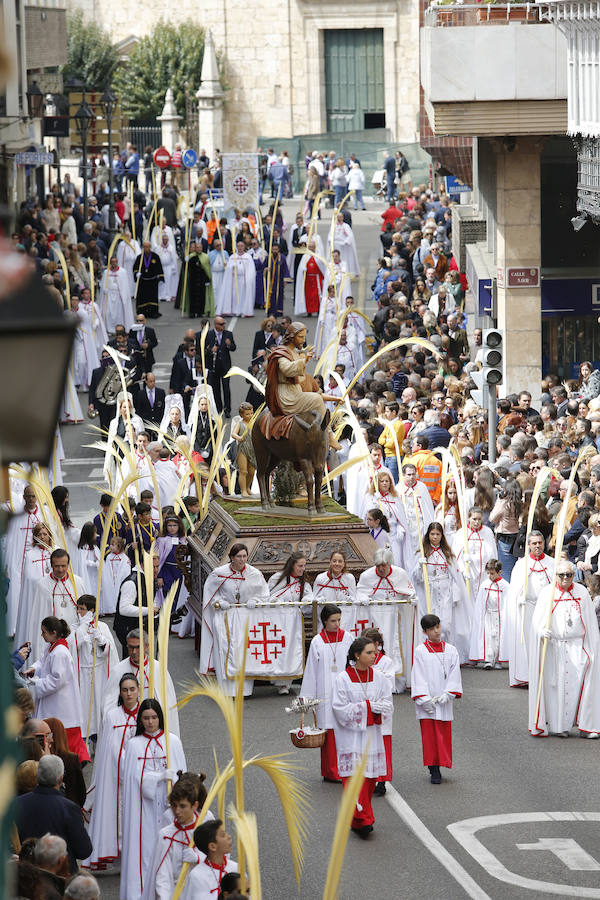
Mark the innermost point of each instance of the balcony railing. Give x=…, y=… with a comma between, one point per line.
x=452, y=15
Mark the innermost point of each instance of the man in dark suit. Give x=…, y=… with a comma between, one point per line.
x=144, y=340
x=183, y=374
x=46, y=811
x=459, y=342
x=105, y=412
x=149, y=401
x=219, y=346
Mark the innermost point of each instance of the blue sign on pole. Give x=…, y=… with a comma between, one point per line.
x=189, y=158
x=454, y=187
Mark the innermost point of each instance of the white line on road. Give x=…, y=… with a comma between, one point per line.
x=437, y=849
x=232, y=323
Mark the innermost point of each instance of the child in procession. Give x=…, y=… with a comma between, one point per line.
x=488, y=634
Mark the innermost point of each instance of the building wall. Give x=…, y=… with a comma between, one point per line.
x=275, y=60
x=45, y=37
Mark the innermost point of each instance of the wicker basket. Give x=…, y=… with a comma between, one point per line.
x=308, y=741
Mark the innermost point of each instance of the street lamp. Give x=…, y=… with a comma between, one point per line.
x=84, y=117
x=35, y=101
x=109, y=101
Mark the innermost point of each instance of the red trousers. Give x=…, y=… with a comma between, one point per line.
x=76, y=744
x=329, y=768
x=363, y=813
x=387, y=743
x=436, y=737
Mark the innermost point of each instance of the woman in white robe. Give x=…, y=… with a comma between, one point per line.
x=448, y=594
x=88, y=558
x=387, y=499
x=344, y=241
x=117, y=567
x=105, y=795
x=115, y=301
x=326, y=657
x=118, y=427
x=90, y=312
x=81, y=643
x=481, y=547
x=145, y=777
x=291, y=583
x=335, y=585
x=36, y=564
x=127, y=252
x=361, y=696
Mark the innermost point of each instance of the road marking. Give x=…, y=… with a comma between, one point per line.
x=464, y=832
x=437, y=849
x=80, y=461
x=568, y=851
x=232, y=323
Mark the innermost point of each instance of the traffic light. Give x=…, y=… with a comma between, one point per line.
x=492, y=356
x=481, y=394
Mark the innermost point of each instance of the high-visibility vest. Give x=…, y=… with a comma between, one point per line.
x=429, y=471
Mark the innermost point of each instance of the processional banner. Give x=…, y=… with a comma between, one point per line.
x=275, y=646
x=240, y=180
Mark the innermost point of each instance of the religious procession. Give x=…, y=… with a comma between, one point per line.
x=361, y=538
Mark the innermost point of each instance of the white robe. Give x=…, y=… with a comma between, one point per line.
x=299, y=296
x=571, y=680
x=111, y=698
x=167, y=480
x=399, y=536
x=352, y=735
x=488, y=631
x=52, y=598
x=450, y=522
x=144, y=801
x=126, y=256
x=218, y=263
x=356, y=333
x=94, y=325
x=105, y=794
x=329, y=310
x=239, y=287
x=385, y=665
x=88, y=561
x=167, y=289
x=423, y=511
x=348, y=357
x=359, y=480
x=56, y=688
x=116, y=300
x=18, y=541
x=203, y=881
x=224, y=583
x=117, y=567
x=435, y=674
x=110, y=469
x=85, y=355
x=282, y=592
x=326, y=659
x=519, y=612
x=329, y=589
x=449, y=599
x=70, y=407
x=81, y=645
x=168, y=859
x=481, y=547
x=156, y=237
x=344, y=241
x=37, y=564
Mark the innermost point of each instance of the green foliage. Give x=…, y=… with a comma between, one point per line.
x=91, y=57
x=286, y=483
x=168, y=57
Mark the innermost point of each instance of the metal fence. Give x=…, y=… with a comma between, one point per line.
x=141, y=134
x=368, y=146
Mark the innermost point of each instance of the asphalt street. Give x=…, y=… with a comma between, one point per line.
x=540, y=796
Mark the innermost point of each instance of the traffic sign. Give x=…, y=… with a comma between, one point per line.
x=189, y=158
x=162, y=158
x=33, y=158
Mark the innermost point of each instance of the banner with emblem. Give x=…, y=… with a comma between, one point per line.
x=240, y=180
x=275, y=641
x=395, y=621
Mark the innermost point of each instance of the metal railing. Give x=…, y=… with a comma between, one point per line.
x=459, y=14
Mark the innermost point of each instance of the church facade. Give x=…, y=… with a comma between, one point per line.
x=297, y=66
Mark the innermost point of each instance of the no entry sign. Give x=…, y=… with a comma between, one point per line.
x=162, y=158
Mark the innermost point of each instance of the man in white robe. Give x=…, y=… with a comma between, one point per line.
x=564, y=619
x=355, y=332
x=359, y=477
x=218, y=259
x=239, y=285
x=54, y=595
x=481, y=547
x=347, y=357
x=116, y=300
x=343, y=240
x=236, y=583
x=81, y=644
x=168, y=257
x=127, y=252
x=520, y=606
x=18, y=541
x=418, y=505
x=156, y=237
x=131, y=663
x=85, y=354
x=90, y=312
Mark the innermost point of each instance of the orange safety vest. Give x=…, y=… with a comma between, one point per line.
x=429, y=471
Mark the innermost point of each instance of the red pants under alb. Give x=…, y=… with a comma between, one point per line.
x=436, y=737
x=363, y=813
x=76, y=744
x=329, y=767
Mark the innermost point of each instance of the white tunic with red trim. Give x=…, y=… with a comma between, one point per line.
x=424, y=511
x=519, y=611
x=18, y=541
x=385, y=665
x=144, y=801
x=111, y=698
x=52, y=597
x=327, y=588
x=88, y=562
x=488, y=634
x=168, y=859
x=355, y=723
x=400, y=539
x=449, y=599
x=105, y=794
x=481, y=547
x=37, y=564
x=287, y=591
x=436, y=670
x=56, y=688
x=81, y=645
x=571, y=678
x=326, y=658
x=204, y=881
x=117, y=567
x=224, y=583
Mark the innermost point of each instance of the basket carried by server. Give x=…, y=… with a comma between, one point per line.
x=308, y=738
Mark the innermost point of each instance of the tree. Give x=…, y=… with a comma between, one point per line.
x=168, y=58
x=91, y=57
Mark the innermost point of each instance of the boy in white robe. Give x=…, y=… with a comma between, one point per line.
x=436, y=682
x=565, y=619
x=117, y=567
x=18, y=540
x=481, y=547
x=81, y=644
x=173, y=842
x=213, y=846
x=488, y=631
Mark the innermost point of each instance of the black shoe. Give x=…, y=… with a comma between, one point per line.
x=380, y=789
x=332, y=780
x=436, y=776
x=363, y=832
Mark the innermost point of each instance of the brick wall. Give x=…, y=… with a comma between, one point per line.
x=45, y=37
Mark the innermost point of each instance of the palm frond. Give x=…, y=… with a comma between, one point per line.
x=342, y=829
x=247, y=832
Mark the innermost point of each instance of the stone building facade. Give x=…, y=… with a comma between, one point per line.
x=277, y=54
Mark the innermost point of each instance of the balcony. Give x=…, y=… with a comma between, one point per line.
x=493, y=69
